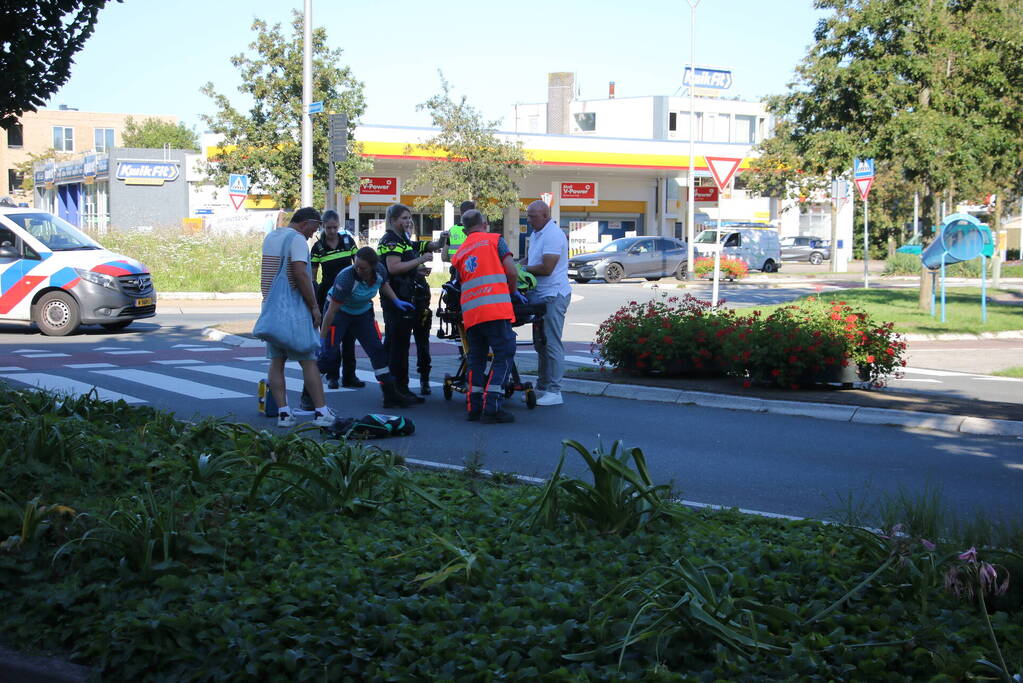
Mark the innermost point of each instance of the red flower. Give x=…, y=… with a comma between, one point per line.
x=851, y=318
x=870, y=359
x=775, y=372
x=836, y=316
x=793, y=359
x=746, y=384
x=641, y=340
x=667, y=339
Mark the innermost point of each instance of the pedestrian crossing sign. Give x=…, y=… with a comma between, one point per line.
x=238, y=189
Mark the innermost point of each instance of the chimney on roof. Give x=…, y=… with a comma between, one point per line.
x=560, y=91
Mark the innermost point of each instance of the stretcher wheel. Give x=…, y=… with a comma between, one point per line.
x=530, y=398
x=448, y=390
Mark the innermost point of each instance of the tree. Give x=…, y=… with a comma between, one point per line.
x=934, y=87
x=38, y=42
x=152, y=133
x=265, y=143
x=474, y=163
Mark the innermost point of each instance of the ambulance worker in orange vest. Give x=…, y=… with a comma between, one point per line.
x=487, y=272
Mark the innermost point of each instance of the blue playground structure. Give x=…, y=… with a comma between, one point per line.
x=962, y=238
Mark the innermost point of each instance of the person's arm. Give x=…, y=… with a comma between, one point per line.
x=328, y=317
x=545, y=267
x=395, y=266
x=305, y=287
x=386, y=290
x=511, y=272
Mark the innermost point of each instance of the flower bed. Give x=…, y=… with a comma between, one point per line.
x=812, y=342
x=672, y=335
x=731, y=268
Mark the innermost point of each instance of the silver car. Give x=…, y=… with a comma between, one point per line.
x=648, y=257
x=805, y=248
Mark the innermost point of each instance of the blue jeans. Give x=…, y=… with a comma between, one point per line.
x=486, y=390
x=363, y=327
x=550, y=354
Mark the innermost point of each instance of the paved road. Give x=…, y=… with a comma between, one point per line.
x=780, y=464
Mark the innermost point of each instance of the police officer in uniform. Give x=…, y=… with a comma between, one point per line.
x=333, y=252
x=402, y=257
x=489, y=279
x=456, y=234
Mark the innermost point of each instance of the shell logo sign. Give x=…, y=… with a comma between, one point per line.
x=579, y=194
x=377, y=189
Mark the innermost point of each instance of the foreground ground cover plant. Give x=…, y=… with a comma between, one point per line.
x=205, y=575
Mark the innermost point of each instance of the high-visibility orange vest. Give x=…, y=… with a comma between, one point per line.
x=485, y=294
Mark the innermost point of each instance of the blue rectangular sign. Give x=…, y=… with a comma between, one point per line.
x=863, y=168
x=315, y=107
x=718, y=79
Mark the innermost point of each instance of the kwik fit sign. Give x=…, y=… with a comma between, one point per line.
x=147, y=172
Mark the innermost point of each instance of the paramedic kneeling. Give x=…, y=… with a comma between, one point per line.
x=487, y=273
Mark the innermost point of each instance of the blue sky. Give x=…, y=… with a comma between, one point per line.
x=152, y=56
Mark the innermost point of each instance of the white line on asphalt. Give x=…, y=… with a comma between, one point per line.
x=29, y=351
x=585, y=324
x=935, y=373
x=63, y=385
x=180, y=361
x=10, y=368
x=188, y=346
x=88, y=366
x=590, y=360
x=172, y=384
x=109, y=348
x=370, y=377
x=918, y=379
x=209, y=348
x=989, y=378
x=247, y=375
x=127, y=353
x=45, y=355
x=254, y=358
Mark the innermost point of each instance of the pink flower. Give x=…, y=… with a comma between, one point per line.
x=928, y=546
x=969, y=555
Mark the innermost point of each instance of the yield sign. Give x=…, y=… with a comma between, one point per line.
x=723, y=168
x=238, y=189
x=863, y=185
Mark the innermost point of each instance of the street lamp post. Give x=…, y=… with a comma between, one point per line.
x=307, y=99
x=691, y=204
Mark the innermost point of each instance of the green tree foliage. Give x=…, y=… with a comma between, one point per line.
x=936, y=85
x=154, y=133
x=265, y=142
x=38, y=42
x=476, y=164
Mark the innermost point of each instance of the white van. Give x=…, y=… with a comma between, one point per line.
x=758, y=247
x=56, y=276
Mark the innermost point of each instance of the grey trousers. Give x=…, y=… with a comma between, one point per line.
x=551, y=354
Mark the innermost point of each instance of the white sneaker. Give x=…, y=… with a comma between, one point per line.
x=537, y=393
x=550, y=398
x=285, y=419
x=324, y=418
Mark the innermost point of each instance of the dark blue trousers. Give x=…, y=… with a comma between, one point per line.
x=486, y=389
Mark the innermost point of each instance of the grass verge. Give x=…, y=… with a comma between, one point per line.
x=143, y=546
x=900, y=306
x=1015, y=371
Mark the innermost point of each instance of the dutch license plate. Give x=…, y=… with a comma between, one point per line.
x=146, y=301
x=573, y=271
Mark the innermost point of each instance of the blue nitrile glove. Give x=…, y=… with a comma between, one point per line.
x=520, y=299
x=404, y=305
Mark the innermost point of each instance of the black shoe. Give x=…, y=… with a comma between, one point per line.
x=352, y=382
x=500, y=417
x=332, y=383
x=392, y=398
x=424, y=385
x=473, y=415
x=409, y=396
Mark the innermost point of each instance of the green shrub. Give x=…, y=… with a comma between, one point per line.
x=909, y=264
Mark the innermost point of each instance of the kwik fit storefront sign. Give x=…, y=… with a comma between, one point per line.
x=147, y=172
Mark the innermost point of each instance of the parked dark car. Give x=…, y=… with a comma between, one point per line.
x=805, y=248
x=648, y=257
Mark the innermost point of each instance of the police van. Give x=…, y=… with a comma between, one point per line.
x=754, y=243
x=56, y=276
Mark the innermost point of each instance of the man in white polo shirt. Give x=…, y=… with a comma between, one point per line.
x=548, y=261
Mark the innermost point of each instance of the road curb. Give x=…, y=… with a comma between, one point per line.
x=959, y=424
x=209, y=296
x=1006, y=334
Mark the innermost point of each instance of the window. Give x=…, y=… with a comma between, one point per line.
x=586, y=121
x=14, y=180
x=745, y=129
x=64, y=138
x=15, y=136
x=103, y=139
x=733, y=240
x=643, y=247
x=672, y=121
x=716, y=128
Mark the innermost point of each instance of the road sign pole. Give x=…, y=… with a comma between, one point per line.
x=307, y=99
x=866, y=242
x=691, y=180
x=717, y=259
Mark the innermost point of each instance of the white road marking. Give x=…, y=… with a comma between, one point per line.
x=251, y=358
x=88, y=366
x=293, y=384
x=174, y=385
x=63, y=385
x=934, y=373
x=10, y=368
x=188, y=346
x=589, y=360
x=127, y=353
x=989, y=378
x=29, y=351
x=585, y=324
x=918, y=379
x=180, y=361
x=370, y=378
x=209, y=348
x=109, y=348
x=46, y=355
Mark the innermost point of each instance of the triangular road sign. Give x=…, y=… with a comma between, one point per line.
x=238, y=200
x=863, y=185
x=723, y=168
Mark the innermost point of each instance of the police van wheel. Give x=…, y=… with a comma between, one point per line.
x=680, y=272
x=769, y=266
x=448, y=391
x=57, y=314
x=113, y=327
